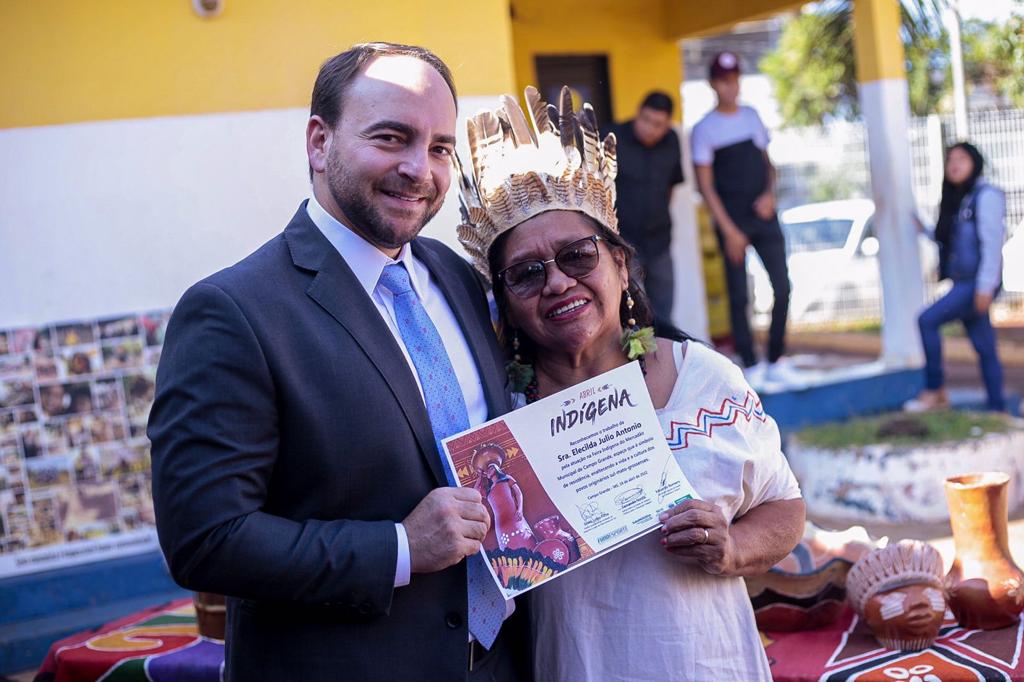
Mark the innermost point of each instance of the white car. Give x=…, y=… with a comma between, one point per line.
x=833, y=266
x=1013, y=262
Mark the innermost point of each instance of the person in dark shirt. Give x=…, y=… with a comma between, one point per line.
x=650, y=165
x=736, y=179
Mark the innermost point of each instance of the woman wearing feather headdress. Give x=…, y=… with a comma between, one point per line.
x=539, y=221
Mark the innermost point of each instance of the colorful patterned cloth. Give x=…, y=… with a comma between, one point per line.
x=160, y=644
x=845, y=651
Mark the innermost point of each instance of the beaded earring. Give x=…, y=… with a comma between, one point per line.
x=636, y=341
x=520, y=375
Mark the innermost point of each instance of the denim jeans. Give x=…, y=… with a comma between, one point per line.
x=958, y=304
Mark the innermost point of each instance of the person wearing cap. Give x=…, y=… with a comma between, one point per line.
x=650, y=165
x=737, y=181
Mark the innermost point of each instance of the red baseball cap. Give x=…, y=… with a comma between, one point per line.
x=723, y=64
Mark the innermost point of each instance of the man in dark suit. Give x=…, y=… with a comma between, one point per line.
x=301, y=397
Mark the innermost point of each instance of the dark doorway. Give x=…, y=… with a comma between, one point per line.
x=587, y=75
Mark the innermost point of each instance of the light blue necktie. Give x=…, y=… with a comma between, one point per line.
x=448, y=415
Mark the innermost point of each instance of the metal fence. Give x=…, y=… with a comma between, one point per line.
x=830, y=163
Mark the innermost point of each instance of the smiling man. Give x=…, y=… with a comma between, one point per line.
x=302, y=396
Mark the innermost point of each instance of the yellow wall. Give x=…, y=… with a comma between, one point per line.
x=630, y=32
x=64, y=61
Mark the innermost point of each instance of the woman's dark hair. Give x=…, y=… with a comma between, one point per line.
x=953, y=195
x=643, y=313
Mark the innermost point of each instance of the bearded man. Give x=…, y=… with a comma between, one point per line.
x=302, y=395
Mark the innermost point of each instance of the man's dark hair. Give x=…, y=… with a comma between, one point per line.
x=338, y=72
x=659, y=101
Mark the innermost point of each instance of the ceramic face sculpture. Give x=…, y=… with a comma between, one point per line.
x=906, y=618
x=898, y=592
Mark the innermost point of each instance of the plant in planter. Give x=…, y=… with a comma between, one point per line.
x=891, y=468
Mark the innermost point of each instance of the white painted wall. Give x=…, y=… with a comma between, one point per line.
x=123, y=216
x=689, y=303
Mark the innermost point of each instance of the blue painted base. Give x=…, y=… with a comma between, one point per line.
x=40, y=608
x=882, y=391
x=862, y=393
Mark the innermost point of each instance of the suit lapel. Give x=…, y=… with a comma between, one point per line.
x=480, y=338
x=336, y=289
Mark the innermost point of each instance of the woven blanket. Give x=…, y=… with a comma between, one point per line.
x=160, y=644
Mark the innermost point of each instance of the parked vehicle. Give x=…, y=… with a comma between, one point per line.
x=833, y=263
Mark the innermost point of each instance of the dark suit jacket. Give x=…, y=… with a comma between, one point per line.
x=289, y=436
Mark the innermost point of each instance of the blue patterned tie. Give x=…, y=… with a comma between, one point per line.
x=448, y=415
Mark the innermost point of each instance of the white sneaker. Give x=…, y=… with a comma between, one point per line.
x=782, y=374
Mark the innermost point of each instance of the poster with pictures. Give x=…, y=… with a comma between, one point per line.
x=74, y=458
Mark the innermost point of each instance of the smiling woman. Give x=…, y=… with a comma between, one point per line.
x=539, y=221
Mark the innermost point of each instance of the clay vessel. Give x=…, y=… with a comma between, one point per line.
x=985, y=587
x=211, y=613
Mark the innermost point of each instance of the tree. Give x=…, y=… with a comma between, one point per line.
x=994, y=57
x=813, y=70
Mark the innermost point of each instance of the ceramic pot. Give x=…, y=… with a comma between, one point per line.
x=985, y=587
x=211, y=613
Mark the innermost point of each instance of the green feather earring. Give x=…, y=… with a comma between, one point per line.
x=519, y=374
x=636, y=341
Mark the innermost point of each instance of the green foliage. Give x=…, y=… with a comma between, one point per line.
x=994, y=56
x=943, y=426
x=814, y=73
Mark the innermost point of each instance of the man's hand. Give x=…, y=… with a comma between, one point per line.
x=697, y=532
x=446, y=526
x=982, y=301
x=764, y=206
x=736, y=244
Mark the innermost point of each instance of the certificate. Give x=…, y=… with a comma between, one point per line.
x=568, y=478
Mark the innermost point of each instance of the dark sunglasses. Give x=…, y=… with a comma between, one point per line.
x=576, y=259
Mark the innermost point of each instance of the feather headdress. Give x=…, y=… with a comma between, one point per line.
x=519, y=172
x=905, y=563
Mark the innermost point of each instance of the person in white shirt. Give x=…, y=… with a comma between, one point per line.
x=670, y=605
x=737, y=180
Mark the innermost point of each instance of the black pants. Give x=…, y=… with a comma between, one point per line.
x=767, y=239
x=658, y=282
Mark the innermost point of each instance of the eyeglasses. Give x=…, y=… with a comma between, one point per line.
x=576, y=259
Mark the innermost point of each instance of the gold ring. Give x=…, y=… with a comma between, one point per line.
x=707, y=536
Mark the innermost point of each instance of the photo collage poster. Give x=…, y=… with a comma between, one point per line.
x=75, y=480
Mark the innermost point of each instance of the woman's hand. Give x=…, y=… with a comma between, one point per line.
x=982, y=301
x=750, y=545
x=698, y=532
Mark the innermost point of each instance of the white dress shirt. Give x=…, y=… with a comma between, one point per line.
x=367, y=262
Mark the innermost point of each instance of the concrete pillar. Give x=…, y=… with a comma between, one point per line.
x=689, y=302
x=884, y=100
